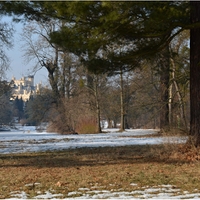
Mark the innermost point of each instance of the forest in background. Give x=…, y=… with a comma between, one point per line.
x=140, y=94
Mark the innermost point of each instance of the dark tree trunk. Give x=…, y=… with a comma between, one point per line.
x=52, y=68
x=164, y=89
x=195, y=73
x=98, y=113
x=122, y=126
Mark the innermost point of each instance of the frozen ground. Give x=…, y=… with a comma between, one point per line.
x=28, y=140
x=97, y=192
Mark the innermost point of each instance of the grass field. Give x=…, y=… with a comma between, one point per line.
x=111, y=168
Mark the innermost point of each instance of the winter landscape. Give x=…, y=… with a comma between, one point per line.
x=27, y=139
x=131, y=64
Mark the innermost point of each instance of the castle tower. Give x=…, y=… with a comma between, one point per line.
x=31, y=80
x=24, y=87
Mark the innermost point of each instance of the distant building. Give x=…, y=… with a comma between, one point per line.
x=24, y=88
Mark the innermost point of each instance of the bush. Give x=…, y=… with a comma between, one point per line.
x=60, y=127
x=86, y=126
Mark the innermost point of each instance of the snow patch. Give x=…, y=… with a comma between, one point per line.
x=23, y=141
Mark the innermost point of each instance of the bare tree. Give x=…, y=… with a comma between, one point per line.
x=179, y=80
x=61, y=66
x=6, y=42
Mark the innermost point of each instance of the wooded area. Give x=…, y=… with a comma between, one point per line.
x=130, y=63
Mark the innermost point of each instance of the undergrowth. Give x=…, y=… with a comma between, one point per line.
x=86, y=126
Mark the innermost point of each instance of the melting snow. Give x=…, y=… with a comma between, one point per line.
x=156, y=192
x=28, y=140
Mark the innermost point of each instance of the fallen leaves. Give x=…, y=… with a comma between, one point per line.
x=58, y=184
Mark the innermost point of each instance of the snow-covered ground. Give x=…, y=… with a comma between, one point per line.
x=27, y=139
x=97, y=192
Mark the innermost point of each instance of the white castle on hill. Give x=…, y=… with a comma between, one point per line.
x=24, y=88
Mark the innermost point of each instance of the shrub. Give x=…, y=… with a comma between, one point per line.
x=86, y=126
x=60, y=127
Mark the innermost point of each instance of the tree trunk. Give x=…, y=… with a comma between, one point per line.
x=53, y=81
x=195, y=73
x=122, y=126
x=170, y=105
x=164, y=87
x=52, y=68
x=98, y=114
x=92, y=84
x=110, y=123
x=180, y=99
x=62, y=78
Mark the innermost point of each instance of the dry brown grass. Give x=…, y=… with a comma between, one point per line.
x=112, y=168
x=86, y=126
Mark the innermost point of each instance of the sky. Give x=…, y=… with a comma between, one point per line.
x=18, y=67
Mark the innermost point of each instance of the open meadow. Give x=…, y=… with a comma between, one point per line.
x=145, y=165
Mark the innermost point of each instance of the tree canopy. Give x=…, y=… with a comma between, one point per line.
x=93, y=28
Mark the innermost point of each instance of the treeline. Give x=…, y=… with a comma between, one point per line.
x=84, y=97
x=13, y=109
